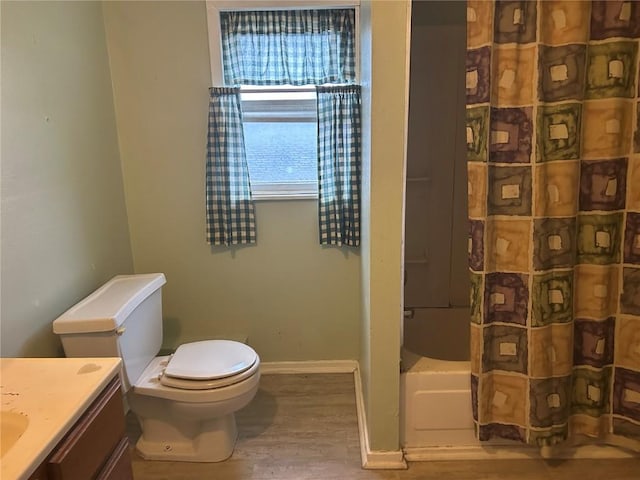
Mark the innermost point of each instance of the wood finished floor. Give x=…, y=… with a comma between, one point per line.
x=304, y=427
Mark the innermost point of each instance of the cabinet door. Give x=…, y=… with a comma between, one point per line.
x=118, y=467
x=40, y=473
x=85, y=449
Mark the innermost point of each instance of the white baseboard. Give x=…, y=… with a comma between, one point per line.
x=473, y=452
x=373, y=459
x=311, y=366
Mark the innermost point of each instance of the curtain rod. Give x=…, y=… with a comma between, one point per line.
x=275, y=88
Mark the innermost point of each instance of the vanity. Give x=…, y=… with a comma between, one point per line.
x=62, y=419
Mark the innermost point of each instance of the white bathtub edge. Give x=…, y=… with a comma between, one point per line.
x=433, y=376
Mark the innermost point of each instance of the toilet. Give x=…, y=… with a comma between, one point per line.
x=185, y=402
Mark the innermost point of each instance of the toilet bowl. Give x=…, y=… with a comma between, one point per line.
x=185, y=402
x=191, y=417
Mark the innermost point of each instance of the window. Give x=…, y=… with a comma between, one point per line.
x=280, y=124
x=280, y=134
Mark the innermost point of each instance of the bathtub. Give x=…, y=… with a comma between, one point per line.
x=436, y=422
x=434, y=384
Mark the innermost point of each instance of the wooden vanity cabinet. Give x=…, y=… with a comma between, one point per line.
x=96, y=447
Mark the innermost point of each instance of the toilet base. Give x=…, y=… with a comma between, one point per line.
x=213, y=442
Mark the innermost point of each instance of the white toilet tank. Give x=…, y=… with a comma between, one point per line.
x=123, y=318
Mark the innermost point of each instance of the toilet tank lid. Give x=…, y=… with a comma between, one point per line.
x=107, y=308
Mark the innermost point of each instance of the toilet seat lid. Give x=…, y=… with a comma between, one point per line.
x=210, y=360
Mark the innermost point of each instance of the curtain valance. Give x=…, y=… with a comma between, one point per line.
x=288, y=47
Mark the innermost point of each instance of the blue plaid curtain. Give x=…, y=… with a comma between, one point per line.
x=230, y=211
x=296, y=47
x=339, y=157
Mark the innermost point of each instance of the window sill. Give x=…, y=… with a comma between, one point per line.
x=285, y=191
x=266, y=196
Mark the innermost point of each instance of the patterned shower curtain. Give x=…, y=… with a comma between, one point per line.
x=553, y=143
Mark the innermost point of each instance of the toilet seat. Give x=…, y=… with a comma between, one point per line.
x=184, y=384
x=210, y=359
x=209, y=364
x=149, y=384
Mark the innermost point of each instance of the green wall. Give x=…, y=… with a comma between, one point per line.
x=63, y=218
x=292, y=298
x=65, y=229
x=385, y=33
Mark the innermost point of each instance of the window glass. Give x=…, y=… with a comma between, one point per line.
x=281, y=151
x=280, y=129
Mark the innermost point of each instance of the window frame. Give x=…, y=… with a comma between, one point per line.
x=275, y=190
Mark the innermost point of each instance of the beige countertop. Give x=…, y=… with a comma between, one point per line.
x=45, y=397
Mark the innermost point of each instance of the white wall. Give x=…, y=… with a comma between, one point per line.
x=294, y=299
x=64, y=224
